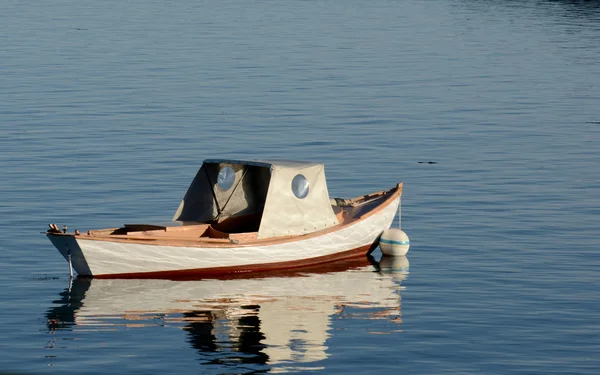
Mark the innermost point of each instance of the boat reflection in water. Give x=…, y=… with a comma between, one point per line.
x=279, y=321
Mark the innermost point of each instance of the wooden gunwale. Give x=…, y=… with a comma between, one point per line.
x=104, y=234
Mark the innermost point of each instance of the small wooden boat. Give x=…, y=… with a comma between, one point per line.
x=238, y=217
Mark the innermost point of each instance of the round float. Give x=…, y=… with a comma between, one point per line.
x=394, y=242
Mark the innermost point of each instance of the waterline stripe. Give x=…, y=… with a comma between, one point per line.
x=392, y=242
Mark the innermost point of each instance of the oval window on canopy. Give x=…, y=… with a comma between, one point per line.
x=300, y=186
x=226, y=178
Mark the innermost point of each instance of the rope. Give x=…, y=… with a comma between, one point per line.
x=400, y=212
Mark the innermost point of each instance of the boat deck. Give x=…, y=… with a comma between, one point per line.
x=240, y=230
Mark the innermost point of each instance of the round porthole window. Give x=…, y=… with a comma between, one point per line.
x=226, y=178
x=300, y=186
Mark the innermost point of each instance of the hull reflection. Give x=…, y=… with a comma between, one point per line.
x=280, y=320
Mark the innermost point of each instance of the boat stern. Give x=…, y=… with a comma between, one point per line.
x=69, y=248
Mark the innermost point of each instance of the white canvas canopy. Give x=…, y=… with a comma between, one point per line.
x=291, y=198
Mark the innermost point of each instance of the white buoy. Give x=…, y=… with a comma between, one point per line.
x=394, y=242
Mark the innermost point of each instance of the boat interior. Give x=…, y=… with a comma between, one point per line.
x=232, y=201
x=237, y=229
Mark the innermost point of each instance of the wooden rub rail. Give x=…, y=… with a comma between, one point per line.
x=369, y=197
x=160, y=238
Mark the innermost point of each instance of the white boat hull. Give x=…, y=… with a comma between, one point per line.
x=98, y=258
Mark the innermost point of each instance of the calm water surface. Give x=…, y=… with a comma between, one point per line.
x=108, y=108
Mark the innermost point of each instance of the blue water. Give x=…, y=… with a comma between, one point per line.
x=108, y=108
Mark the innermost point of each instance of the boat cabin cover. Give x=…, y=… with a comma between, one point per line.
x=281, y=197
